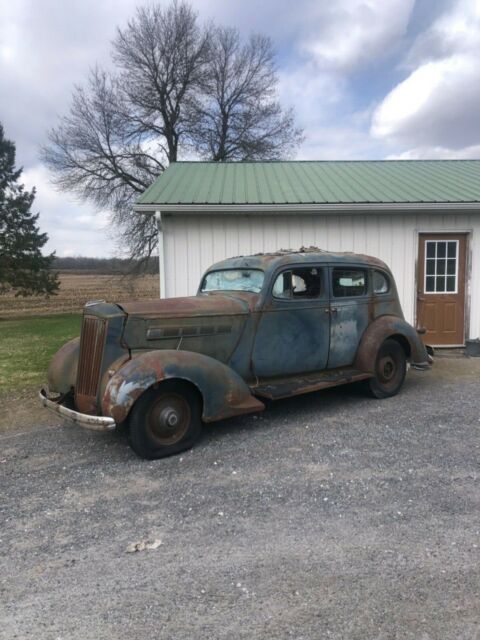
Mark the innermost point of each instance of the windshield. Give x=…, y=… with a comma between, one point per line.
x=234, y=280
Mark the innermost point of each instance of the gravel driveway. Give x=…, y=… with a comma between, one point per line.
x=328, y=516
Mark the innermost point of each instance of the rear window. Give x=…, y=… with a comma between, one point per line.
x=348, y=283
x=381, y=283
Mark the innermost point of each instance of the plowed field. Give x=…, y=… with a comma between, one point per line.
x=78, y=288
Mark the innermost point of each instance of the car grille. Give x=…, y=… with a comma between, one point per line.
x=92, y=343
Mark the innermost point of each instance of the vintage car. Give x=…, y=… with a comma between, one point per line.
x=260, y=328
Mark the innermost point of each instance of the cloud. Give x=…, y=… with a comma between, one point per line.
x=348, y=34
x=438, y=153
x=46, y=48
x=72, y=228
x=436, y=106
x=314, y=96
x=338, y=64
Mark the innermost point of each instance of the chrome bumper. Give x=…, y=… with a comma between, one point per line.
x=96, y=423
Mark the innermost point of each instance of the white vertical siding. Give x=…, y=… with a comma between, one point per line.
x=193, y=243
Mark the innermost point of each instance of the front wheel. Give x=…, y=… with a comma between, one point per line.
x=390, y=370
x=165, y=420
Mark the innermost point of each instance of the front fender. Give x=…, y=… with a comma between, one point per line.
x=223, y=391
x=62, y=371
x=389, y=327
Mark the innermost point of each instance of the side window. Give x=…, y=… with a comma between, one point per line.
x=283, y=285
x=381, y=283
x=349, y=282
x=302, y=283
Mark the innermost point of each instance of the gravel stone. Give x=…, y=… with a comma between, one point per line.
x=363, y=525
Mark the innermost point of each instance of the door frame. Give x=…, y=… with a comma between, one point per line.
x=269, y=305
x=468, y=274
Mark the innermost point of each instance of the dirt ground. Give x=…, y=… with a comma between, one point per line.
x=21, y=411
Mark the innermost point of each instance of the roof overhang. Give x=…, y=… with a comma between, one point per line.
x=326, y=209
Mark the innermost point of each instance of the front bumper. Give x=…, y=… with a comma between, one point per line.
x=96, y=423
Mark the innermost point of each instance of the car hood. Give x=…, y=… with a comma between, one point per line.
x=211, y=324
x=192, y=306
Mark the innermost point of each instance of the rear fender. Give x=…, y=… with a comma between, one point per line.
x=390, y=327
x=223, y=391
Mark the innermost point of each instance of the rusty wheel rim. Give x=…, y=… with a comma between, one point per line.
x=168, y=419
x=387, y=370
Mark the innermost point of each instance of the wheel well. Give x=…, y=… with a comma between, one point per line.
x=403, y=342
x=181, y=382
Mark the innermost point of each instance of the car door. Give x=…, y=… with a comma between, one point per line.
x=349, y=311
x=293, y=333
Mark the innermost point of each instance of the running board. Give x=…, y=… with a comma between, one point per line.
x=276, y=388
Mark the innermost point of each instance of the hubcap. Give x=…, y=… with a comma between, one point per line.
x=386, y=369
x=168, y=419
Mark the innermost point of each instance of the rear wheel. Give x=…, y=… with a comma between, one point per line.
x=390, y=370
x=165, y=420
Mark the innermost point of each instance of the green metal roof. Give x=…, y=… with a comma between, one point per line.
x=315, y=182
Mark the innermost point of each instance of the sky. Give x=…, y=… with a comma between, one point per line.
x=367, y=79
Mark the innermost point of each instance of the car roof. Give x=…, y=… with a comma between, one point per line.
x=306, y=255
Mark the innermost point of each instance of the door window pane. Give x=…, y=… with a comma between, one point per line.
x=302, y=283
x=283, y=285
x=452, y=249
x=430, y=249
x=348, y=282
x=441, y=266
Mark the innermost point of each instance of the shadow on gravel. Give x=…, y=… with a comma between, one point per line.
x=326, y=402
x=287, y=414
x=282, y=414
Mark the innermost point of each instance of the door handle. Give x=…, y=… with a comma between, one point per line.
x=420, y=298
x=331, y=310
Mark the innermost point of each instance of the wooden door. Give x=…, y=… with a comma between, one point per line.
x=441, y=288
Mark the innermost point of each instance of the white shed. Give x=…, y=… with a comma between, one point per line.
x=421, y=217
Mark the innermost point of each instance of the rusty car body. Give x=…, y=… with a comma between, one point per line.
x=259, y=328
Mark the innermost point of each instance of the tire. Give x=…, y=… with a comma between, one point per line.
x=390, y=370
x=165, y=420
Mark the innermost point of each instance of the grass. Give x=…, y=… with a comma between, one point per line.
x=27, y=345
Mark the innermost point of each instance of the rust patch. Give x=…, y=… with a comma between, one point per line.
x=62, y=371
x=389, y=327
x=191, y=306
x=299, y=385
x=223, y=391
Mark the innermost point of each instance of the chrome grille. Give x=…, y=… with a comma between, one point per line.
x=90, y=360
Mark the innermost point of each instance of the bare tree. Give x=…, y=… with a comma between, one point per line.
x=238, y=114
x=176, y=87
x=162, y=56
